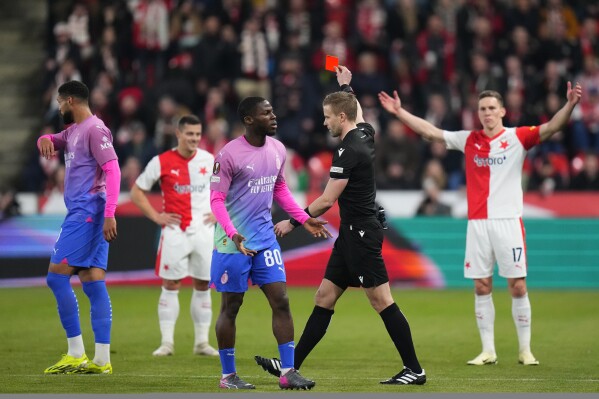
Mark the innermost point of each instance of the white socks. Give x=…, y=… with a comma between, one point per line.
x=484, y=311
x=522, y=318
x=102, y=355
x=76, y=348
x=168, y=312
x=201, y=314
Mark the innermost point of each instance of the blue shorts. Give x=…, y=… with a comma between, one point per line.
x=81, y=244
x=230, y=272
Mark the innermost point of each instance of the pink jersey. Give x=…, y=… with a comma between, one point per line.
x=87, y=146
x=185, y=184
x=494, y=169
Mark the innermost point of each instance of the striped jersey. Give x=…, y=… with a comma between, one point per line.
x=185, y=184
x=494, y=169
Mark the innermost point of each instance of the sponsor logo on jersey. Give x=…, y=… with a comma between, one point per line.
x=189, y=188
x=361, y=233
x=340, y=151
x=336, y=169
x=214, y=179
x=485, y=162
x=262, y=184
x=216, y=168
x=224, y=278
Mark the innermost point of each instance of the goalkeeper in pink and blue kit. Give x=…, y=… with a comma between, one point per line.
x=247, y=176
x=92, y=184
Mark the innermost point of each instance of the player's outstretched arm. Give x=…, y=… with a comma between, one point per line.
x=316, y=228
x=561, y=118
x=425, y=129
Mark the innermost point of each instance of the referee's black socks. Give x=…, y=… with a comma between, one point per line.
x=315, y=328
x=399, y=331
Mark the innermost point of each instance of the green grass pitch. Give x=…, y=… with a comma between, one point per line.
x=354, y=355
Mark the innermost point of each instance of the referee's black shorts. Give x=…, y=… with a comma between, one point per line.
x=357, y=258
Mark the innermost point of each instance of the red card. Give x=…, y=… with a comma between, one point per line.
x=330, y=63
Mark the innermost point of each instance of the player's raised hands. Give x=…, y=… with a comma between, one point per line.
x=574, y=94
x=238, y=239
x=316, y=228
x=343, y=75
x=390, y=104
x=47, y=148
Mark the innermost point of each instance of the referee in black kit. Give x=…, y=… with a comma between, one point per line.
x=356, y=259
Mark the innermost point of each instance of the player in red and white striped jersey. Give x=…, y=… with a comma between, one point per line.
x=494, y=157
x=187, y=236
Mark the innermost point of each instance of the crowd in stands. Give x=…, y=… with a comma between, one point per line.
x=147, y=62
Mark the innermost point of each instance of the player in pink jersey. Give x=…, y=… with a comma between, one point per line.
x=91, y=191
x=494, y=157
x=247, y=177
x=186, y=239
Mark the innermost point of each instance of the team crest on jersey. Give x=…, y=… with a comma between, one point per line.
x=504, y=144
x=203, y=170
x=224, y=278
x=216, y=168
x=224, y=241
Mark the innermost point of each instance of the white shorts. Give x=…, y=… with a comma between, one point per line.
x=495, y=240
x=185, y=253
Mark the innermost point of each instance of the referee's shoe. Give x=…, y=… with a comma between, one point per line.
x=273, y=366
x=406, y=377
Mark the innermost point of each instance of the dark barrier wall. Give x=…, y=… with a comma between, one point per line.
x=26, y=242
x=562, y=253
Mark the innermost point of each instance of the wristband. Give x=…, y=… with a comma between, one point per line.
x=295, y=223
x=347, y=88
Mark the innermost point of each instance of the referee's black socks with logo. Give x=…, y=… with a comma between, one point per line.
x=399, y=330
x=315, y=328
